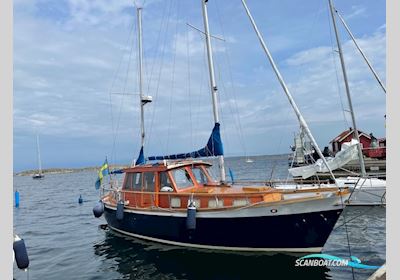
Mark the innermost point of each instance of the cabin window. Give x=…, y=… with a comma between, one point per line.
x=211, y=173
x=148, y=183
x=215, y=203
x=199, y=175
x=240, y=202
x=165, y=183
x=175, y=202
x=140, y=182
x=137, y=181
x=128, y=181
x=182, y=178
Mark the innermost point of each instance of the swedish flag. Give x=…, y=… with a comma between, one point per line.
x=102, y=172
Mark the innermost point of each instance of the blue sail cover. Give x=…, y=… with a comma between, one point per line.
x=213, y=148
x=117, y=171
x=140, y=159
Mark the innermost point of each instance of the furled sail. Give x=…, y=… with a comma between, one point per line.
x=348, y=153
x=140, y=159
x=214, y=147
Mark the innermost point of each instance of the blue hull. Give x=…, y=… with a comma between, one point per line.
x=282, y=233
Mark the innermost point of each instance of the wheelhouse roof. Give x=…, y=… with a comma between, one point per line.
x=165, y=165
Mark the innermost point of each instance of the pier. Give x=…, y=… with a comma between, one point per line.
x=380, y=274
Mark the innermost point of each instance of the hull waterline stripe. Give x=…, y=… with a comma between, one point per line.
x=200, y=246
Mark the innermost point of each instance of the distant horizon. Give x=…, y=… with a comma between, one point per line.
x=120, y=163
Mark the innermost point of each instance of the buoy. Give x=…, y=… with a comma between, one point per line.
x=98, y=209
x=20, y=253
x=120, y=210
x=16, y=199
x=191, y=216
x=80, y=199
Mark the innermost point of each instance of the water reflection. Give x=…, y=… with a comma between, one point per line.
x=137, y=259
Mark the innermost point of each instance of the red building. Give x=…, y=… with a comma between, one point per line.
x=371, y=146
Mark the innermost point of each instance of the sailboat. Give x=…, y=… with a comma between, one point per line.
x=38, y=175
x=175, y=200
x=366, y=191
x=249, y=160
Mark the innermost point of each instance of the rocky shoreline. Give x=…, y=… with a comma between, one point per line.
x=65, y=170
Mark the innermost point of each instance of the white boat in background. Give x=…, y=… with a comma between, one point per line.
x=365, y=191
x=347, y=154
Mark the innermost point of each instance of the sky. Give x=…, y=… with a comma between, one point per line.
x=76, y=77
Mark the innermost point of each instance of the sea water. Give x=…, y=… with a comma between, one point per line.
x=65, y=241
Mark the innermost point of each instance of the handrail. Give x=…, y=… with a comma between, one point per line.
x=272, y=190
x=154, y=206
x=225, y=194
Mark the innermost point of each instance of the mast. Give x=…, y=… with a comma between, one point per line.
x=143, y=98
x=212, y=81
x=38, y=154
x=139, y=16
x=302, y=121
x=362, y=53
x=346, y=83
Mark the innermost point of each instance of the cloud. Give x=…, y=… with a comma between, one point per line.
x=69, y=57
x=320, y=66
x=357, y=11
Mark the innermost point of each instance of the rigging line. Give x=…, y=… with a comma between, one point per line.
x=336, y=71
x=157, y=49
x=115, y=131
x=171, y=98
x=162, y=53
x=221, y=112
x=361, y=52
x=224, y=92
x=113, y=83
x=356, y=217
x=189, y=84
x=275, y=162
x=203, y=81
x=123, y=97
x=137, y=83
x=346, y=229
x=292, y=163
x=231, y=78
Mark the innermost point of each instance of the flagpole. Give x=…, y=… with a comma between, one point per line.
x=108, y=168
